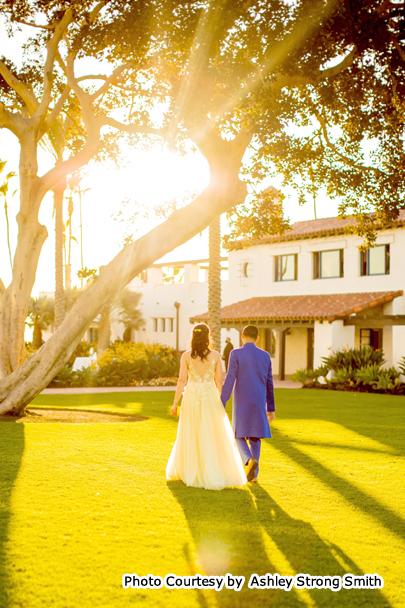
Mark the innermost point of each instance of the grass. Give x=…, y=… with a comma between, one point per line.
x=80, y=505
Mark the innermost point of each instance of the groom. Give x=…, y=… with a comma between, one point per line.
x=249, y=369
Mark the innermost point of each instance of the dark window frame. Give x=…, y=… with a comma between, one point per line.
x=317, y=264
x=376, y=337
x=365, y=262
x=278, y=266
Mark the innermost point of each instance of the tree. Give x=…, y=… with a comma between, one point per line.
x=122, y=309
x=41, y=313
x=232, y=74
x=4, y=192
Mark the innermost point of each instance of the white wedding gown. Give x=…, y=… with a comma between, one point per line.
x=205, y=454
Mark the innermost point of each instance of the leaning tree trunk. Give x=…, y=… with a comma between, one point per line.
x=214, y=282
x=58, y=194
x=224, y=191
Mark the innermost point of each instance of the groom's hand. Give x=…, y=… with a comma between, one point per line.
x=271, y=416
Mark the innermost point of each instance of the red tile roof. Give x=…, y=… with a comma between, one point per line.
x=317, y=307
x=310, y=229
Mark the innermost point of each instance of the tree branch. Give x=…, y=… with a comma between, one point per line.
x=340, y=67
x=132, y=129
x=344, y=158
x=52, y=47
x=51, y=26
x=110, y=80
x=61, y=170
x=20, y=88
x=55, y=112
x=12, y=121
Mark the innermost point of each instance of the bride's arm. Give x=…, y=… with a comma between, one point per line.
x=218, y=374
x=181, y=383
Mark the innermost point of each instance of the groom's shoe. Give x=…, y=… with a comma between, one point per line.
x=251, y=469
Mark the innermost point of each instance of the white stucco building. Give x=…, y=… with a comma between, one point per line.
x=307, y=291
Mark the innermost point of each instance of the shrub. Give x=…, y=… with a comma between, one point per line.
x=344, y=375
x=355, y=369
x=368, y=375
x=126, y=362
x=122, y=363
x=305, y=376
x=353, y=358
x=63, y=379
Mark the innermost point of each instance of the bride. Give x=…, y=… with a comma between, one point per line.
x=205, y=454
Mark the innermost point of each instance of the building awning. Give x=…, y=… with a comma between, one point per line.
x=301, y=308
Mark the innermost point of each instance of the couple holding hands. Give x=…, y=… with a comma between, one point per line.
x=208, y=452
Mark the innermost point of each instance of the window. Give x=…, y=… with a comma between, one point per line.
x=245, y=272
x=143, y=276
x=155, y=324
x=270, y=342
x=162, y=324
x=328, y=264
x=371, y=337
x=375, y=260
x=93, y=334
x=172, y=276
x=286, y=267
x=171, y=324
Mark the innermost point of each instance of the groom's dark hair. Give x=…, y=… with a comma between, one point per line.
x=250, y=331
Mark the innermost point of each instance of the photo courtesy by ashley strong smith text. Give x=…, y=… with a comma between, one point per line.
x=266, y=581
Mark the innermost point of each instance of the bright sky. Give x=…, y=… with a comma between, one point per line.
x=148, y=177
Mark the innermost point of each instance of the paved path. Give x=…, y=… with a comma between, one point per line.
x=135, y=389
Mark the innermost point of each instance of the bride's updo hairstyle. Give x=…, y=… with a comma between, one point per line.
x=201, y=342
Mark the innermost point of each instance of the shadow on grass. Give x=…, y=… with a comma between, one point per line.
x=229, y=528
x=11, y=451
x=378, y=417
x=308, y=553
x=360, y=499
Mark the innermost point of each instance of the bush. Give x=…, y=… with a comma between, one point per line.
x=355, y=369
x=353, y=358
x=305, y=376
x=125, y=364
x=122, y=363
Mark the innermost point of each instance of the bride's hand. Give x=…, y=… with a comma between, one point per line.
x=174, y=409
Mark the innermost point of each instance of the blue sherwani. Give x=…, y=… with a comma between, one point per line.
x=249, y=371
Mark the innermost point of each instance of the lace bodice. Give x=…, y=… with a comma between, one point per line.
x=194, y=376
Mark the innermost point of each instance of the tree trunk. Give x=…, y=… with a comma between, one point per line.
x=37, y=336
x=58, y=194
x=224, y=191
x=104, y=330
x=214, y=282
x=31, y=236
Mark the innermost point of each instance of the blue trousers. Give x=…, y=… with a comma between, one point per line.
x=251, y=450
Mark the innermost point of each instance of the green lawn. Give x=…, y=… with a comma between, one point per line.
x=80, y=505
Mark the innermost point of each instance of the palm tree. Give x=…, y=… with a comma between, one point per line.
x=214, y=282
x=4, y=191
x=41, y=313
x=122, y=309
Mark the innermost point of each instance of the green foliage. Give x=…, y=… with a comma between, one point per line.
x=356, y=369
x=353, y=358
x=86, y=376
x=343, y=375
x=401, y=366
x=368, y=375
x=305, y=376
x=64, y=378
x=321, y=372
